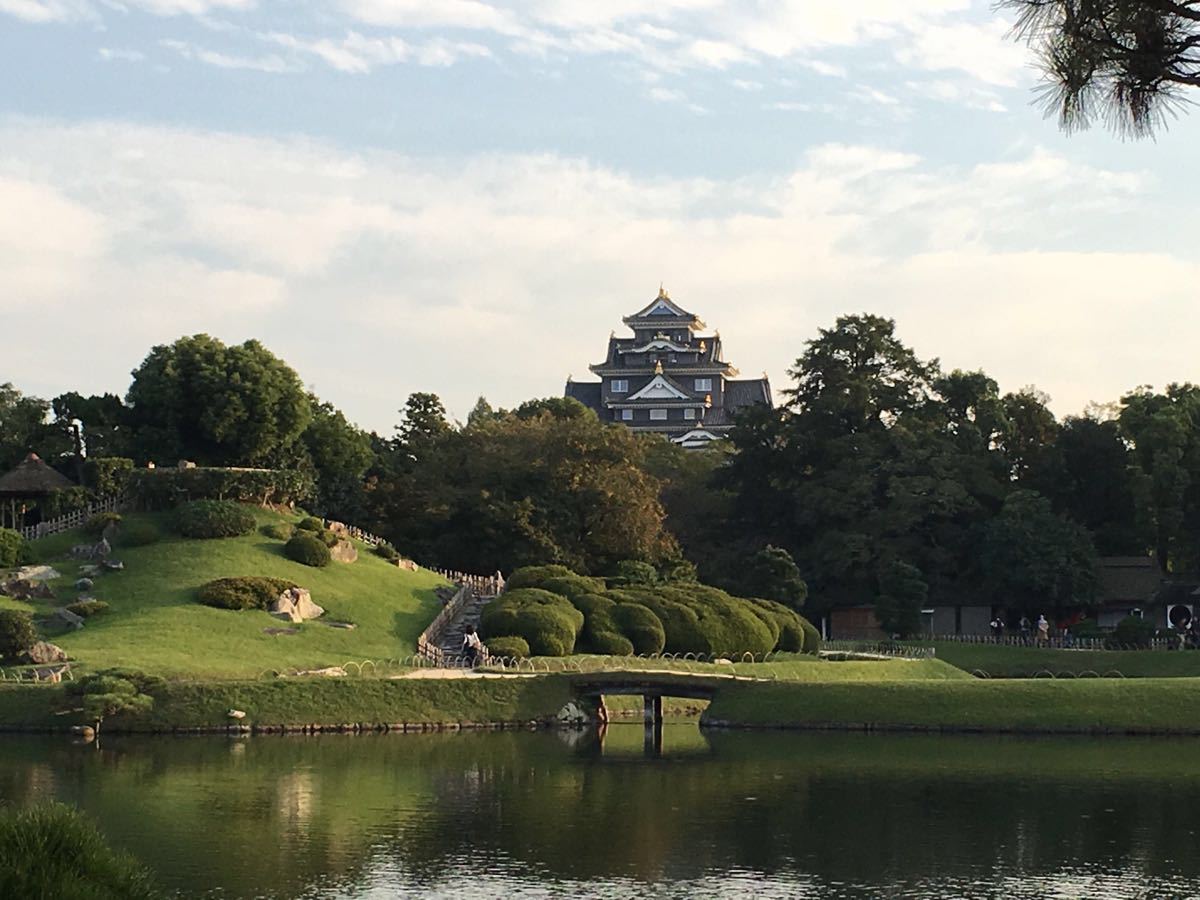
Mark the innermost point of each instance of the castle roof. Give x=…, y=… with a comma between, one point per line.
x=663, y=309
x=32, y=478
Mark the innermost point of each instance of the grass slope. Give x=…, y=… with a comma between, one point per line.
x=155, y=624
x=1151, y=705
x=1024, y=662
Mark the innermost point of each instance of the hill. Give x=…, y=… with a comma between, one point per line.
x=155, y=623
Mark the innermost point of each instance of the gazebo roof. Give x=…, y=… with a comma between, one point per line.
x=32, y=478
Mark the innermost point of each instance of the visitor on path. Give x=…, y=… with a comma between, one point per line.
x=1025, y=627
x=1043, y=630
x=472, y=646
x=997, y=627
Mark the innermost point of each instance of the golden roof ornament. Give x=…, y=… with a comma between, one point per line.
x=658, y=367
x=662, y=294
x=708, y=401
x=704, y=346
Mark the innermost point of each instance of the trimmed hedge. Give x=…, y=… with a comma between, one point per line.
x=164, y=488
x=812, y=637
x=107, y=476
x=547, y=622
x=17, y=633
x=511, y=646
x=14, y=549
x=137, y=534
x=387, y=551
x=534, y=576
x=641, y=627
x=249, y=592
x=632, y=571
x=214, y=519
x=85, y=609
x=572, y=586
x=308, y=549
x=310, y=523
x=280, y=531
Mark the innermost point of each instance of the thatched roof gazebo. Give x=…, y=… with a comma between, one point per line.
x=32, y=479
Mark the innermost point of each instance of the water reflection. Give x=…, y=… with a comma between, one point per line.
x=721, y=814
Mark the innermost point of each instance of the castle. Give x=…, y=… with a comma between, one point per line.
x=669, y=378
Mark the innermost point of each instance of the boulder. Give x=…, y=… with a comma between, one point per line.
x=327, y=672
x=37, y=573
x=339, y=528
x=343, y=551
x=84, y=584
x=236, y=714
x=73, y=619
x=306, y=607
x=96, y=552
x=43, y=653
x=283, y=608
x=296, y=605
x=89, y=571
x=20, y=589
x=113, y=565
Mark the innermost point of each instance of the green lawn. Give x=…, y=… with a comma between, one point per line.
x=155, y=624
x=1035, y=705
x=1025, y=662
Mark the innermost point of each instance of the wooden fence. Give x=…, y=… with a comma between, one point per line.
x=1057, y=642
x=429, y=641
x=72, y=519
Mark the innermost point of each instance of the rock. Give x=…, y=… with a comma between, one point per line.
x=406, y=564
x=69, y=617
x=43, y=653
x=306, y=607
x=113, y=565
x=283, y=608
x=347, y=626
x=296, y=605
x=97, y=552
x=339, y=528
x=327, y=672
x=275, y=632
x=37, y=573
x=84, y=584
x=110, y=532
x=343, y=551
x=89, y=571
x=236, y=714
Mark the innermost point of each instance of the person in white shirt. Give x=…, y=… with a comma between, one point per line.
x=472, y=646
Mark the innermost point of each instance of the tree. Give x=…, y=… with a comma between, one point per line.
x=774, y=575
x=423, y=421
x=1126, y=61
x=113, y=692
x=1036, y=560
x=481, y=412
x=22, y=426
x=340, y=454
x=96, y=426
x=200, y=400
x=902, y=596
x=1031, y=429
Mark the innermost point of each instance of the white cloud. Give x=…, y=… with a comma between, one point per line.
x=368, y=271
x=45, y=11
x=271, y=64
x=983, y=51
x=116, y=54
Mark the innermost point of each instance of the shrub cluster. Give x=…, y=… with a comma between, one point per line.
x=547, y=622
x=137, y=534
x=165, y=488
x=646, y=617
x=94, y=527
x=108, y=476
x=280, y=531
x=85, y=609
x=17, y=633
x=249, y=592
x=214, y=519
x=14, y=549
x=308, y=549
x=387, y=551
x=511, y=646
x=310, y=523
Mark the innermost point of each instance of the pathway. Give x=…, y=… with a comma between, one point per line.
x=451, y=640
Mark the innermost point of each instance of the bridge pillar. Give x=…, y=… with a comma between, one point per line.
x=652, y=738
x=652, y=713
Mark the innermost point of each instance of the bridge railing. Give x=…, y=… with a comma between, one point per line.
x=890, y=649
x=428, y=642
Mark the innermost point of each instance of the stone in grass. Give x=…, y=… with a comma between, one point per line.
x=113, y=565
x=275, y=632
x=236, y=714
x=344, y=552
x=84, y=584
x=89, y=571
x=327, y=672
x=295, y=605
x=43, y=653
x=345, y=626
x=73, y=619
x=37, y=573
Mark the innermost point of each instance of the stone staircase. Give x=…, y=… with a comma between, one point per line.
x=451, y=642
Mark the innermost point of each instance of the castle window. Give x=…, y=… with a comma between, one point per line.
x=704, y=384
x=658, y=415
x=627, y=415
x=689, y=413
x=620, y=386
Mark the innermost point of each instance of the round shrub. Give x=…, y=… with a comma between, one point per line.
x=642, y=627
x=632, y=571
x=307, y=549
x=96, y=524
x=571, y=586
x=508, y=645
x=137, y=534
x=14, y=549
x=548, y=622
x=1131, y=631
x=214, y=519
x=589, y=604
x=533, y=576
x=812, y=637
x=280, y=531
x=249, y=592
x=85, y=609
x=310, y=523
x=328, y=538
x=17, y=633
x=387, y=551
x=610, y=643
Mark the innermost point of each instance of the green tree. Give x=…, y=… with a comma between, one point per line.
x=1126, y=61
x=423, y=422
x=774, y=575
x=17, y=633
x=113, y=692
x=340, y=455
x=902, y=595
x=200, y=400
x=23, y=428
x=1031, y=430
x=1036, y=560
x=95, y=426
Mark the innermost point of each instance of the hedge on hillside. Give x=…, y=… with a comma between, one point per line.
x=308, y=549
x=108, y=476
x=547, y=622
x=534, y=576
x=165, y=488
x=280, y=531
x=249, y=592
x=17, y=633
x=14, y=549
x=511, y=646
x=214, y=519
x=310, y=523
x=642, y=627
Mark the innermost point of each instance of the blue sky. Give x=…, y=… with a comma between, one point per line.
x=465, y=196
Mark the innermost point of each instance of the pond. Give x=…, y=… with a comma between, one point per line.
x=715, y=814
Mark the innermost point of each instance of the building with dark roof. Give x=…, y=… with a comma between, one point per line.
x=669, y=378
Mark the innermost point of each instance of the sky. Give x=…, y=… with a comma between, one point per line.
x=466, y=196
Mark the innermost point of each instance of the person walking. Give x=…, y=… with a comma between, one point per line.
x=472, y=646
x=1025, y=628
x=1043, y=630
